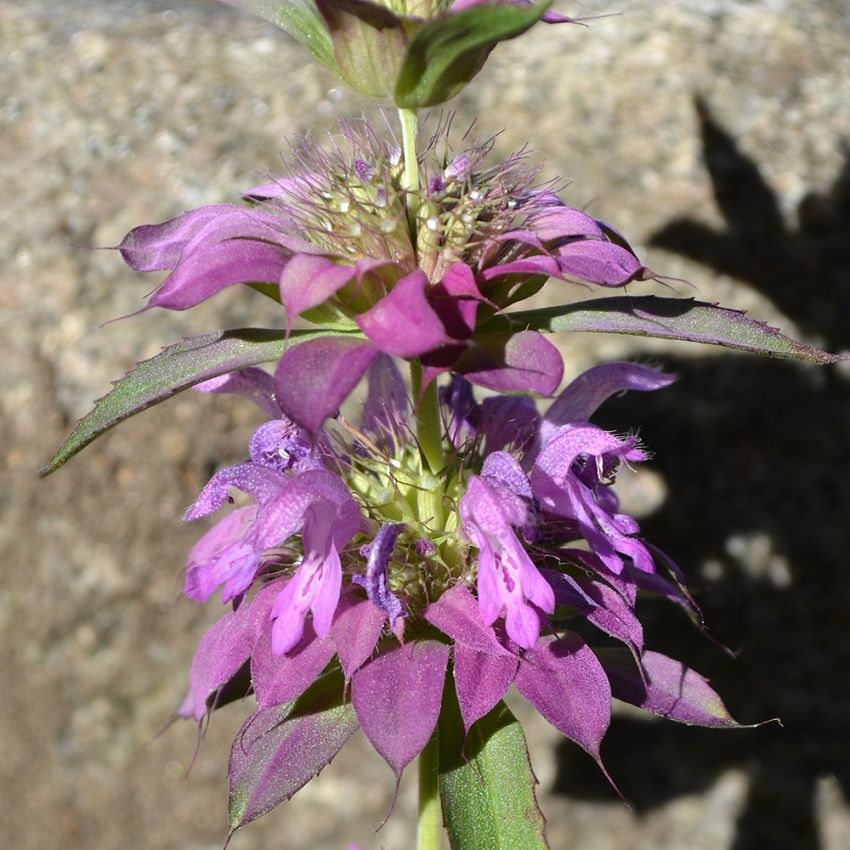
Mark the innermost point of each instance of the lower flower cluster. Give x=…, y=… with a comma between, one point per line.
x=354, y=569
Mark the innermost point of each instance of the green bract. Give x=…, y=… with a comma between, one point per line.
x=418, y=53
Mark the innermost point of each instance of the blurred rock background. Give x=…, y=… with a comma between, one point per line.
x=714, y=133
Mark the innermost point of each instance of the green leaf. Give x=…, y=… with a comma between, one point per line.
x=665, y=318
x=486, y=784
x=447, y=52
x=173, y=370
x=299, y=18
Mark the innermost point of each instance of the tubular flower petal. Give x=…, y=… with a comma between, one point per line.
x=508, y=581
x=316, y=584
x=375, y=581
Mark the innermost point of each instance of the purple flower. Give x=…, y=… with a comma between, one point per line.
x=355, y=573
x=567, y=498
x=508, y=582
x=333, y=240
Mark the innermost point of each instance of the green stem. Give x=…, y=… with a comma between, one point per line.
x=428, y=425
x=410, y=175
x=429, y=830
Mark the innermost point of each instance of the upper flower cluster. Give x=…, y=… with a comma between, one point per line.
x=342, y=242
x=354, y=551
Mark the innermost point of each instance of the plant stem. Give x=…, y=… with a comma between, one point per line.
x=429, y=829
x=428, y=424
x=410, y=175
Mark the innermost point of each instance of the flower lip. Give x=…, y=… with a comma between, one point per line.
x=316, y=585
x=508, y=581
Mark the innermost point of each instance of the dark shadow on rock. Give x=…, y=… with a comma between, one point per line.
x=804, y=270
x=756, y=457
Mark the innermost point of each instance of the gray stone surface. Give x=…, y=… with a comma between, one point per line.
x=118, y=113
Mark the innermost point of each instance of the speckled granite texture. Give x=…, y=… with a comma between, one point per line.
x=115, y=113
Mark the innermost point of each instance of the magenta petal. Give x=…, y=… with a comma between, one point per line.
x=316, y=585
x=315, y=377
x=234, y=568
x=355, y=630
x=260, y=482
x=374, y=582
x=523, y=237
x=251, y=383
x=502, y=470
x=435, y=363
x=225, y=647
x=481, y=680
x=397, y=698
x=625, y=584
x=507, y=578
x=226, y=531
x=204, y=272
x=403, y=323
x=298, y=188
x=280, y=678
x=285, y=514
x=280, y=444
x=153, y=247
x=613, y=615
x=558, y=221
x=541, y=264
x=553, y=465
x=308, y=280
x=524, y=361
x=599, y=262
x=216, y=556
x=565, y=682
x=671, y=690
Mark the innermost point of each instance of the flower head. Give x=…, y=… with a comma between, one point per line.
x=355, y=565
x=333, y=240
